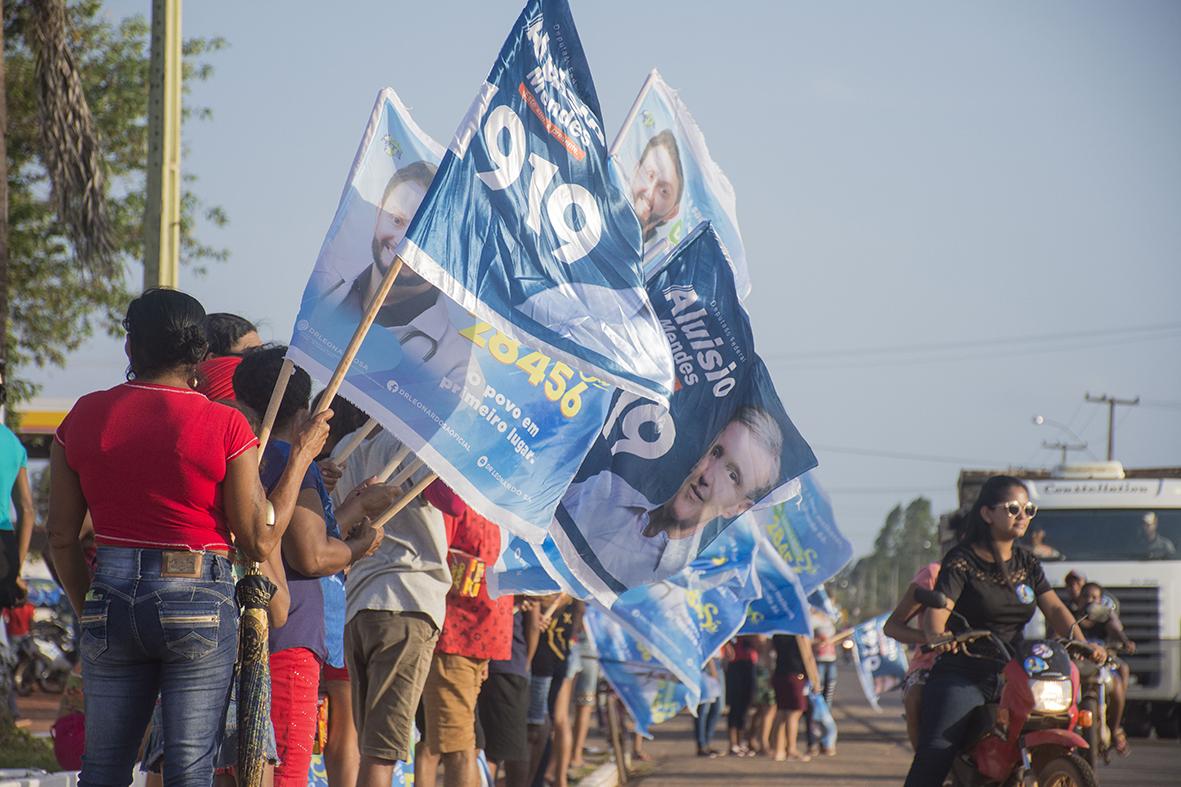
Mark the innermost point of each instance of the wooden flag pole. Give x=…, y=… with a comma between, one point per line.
x=355, y=441
x=406, y=472
x=354, y=347
x=405, y=500
x=268, y=420
x=392, y=465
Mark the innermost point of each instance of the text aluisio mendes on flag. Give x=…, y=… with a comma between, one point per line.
x=503, y=424
x=549, y=248
x=659, y=483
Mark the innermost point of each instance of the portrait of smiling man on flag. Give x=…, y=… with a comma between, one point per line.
x=652, y=542
x=660, y=483
x=657, y=184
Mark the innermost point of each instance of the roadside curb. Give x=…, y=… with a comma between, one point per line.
x=606, y=775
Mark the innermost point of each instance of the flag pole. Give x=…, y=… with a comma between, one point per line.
x=653, y=75
x=354, y=346
x=354, y=442
x=268, y=420
x=404, y=500
x=392, y=465
x=407, y=471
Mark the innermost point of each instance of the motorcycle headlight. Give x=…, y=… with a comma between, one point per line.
x=1050, y=696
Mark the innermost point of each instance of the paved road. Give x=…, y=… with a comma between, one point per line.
x=872, y=749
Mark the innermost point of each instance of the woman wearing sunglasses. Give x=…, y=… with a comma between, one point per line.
x=995, y=584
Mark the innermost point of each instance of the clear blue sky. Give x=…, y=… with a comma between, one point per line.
x=907, y=173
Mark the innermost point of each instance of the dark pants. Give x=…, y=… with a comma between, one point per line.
x=707, y=717
x=953, y=692
x=740, y=690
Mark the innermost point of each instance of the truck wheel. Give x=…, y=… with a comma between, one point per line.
x=1136, y=721
x=1070, y=770
x=1165, y=721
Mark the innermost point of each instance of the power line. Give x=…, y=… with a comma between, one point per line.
x=912, y=457
x=820, y=364
x=961, y=343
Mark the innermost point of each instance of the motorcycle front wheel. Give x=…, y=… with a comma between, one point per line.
x=24, y=677
x=1069, y=770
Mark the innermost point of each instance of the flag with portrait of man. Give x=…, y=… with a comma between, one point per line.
x=659, y=483
x=671, y=179
x=427, y=370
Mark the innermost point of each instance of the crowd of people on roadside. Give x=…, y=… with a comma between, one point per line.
x=384, y=644
x=769, y=685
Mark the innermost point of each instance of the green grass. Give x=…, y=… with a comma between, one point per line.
x=19, y=749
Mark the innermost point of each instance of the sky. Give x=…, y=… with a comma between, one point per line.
x=956, y=215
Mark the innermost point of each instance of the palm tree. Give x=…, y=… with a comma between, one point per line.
x=70, y=148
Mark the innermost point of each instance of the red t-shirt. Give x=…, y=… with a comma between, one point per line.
x=476, y=626
x=151, y=459
x=18, y=621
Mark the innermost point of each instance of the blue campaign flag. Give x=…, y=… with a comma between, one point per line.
x=649, y=692
x=820, y=599
x=525, y=228
x=782, y=606
x=501, y=425
x=671, y=180
x=881, y=662
x=803, y=530
x=686, y=619
x=659, y=483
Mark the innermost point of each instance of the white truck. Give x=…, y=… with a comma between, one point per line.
x=1122, y=529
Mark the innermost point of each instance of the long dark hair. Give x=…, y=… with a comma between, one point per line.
x=164, y=332
x=996, y=490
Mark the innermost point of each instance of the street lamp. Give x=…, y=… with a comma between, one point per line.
x=1058, y=445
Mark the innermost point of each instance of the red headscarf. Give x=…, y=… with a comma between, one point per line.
x=215, y=377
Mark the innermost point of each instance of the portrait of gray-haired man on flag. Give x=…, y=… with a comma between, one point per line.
x=638, y=542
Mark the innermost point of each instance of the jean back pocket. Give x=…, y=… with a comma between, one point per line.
x=93, y=625
x=191, y=628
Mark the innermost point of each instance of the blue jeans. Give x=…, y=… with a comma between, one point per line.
x=952, y=693
x=707, y=717
x=827, y=672
x=143, y=634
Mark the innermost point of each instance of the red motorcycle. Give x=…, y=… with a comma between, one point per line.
x=1028, y=738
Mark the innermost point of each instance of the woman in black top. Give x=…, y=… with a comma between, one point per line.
x=995, y=585
x=795, y=668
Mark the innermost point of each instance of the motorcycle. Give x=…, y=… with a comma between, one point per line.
x=1097, y=681
x=1027, y=739
x=45, y=658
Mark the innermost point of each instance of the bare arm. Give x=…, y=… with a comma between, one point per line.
x=280, y=605
x=246, y=500
x=1062, y=622
x=805, y=644
x=897, y=625
x=26, y=518
x=67, y=509
x=309, y=549
x=532, y=631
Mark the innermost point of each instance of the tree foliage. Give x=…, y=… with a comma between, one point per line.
x=908, y=540
x=55, y=304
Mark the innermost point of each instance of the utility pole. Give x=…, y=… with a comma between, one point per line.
x=162, y=210
x=1111, y=403
x=1058, y=445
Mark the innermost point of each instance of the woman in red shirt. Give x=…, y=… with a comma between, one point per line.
x=167, y=477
